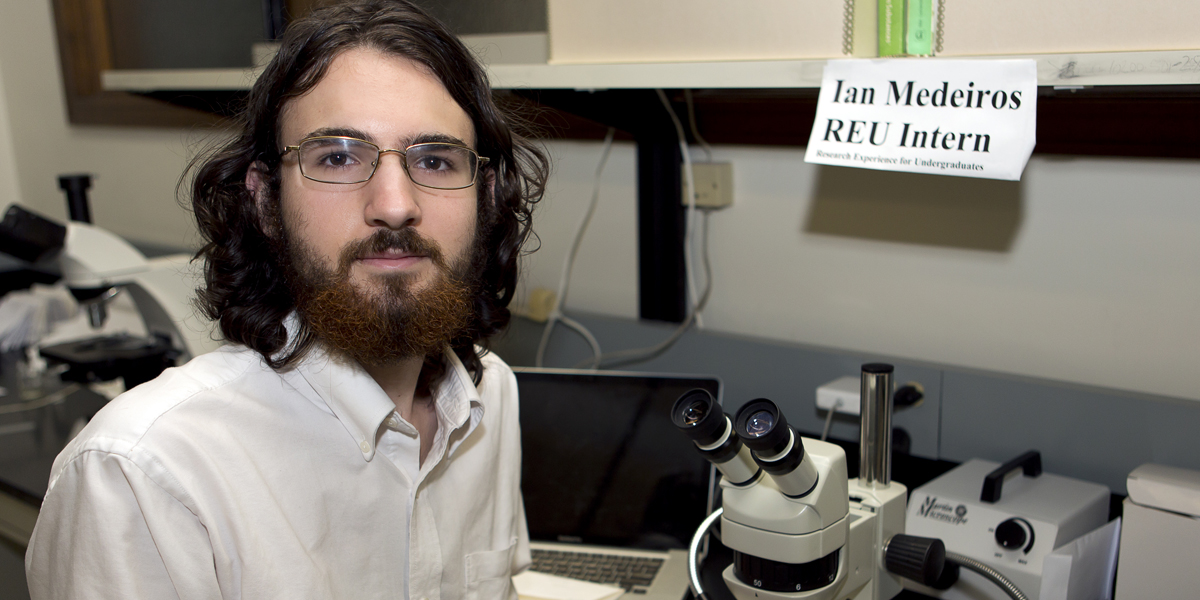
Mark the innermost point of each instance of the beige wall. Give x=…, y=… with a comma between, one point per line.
x=1086, y=271
x=10, y=189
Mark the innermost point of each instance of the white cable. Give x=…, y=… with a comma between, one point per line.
x=829, y=419
x=569, y=263
x=687, y=95
x=690, y=220
x=694, y=552
x=631, y=356
x=698, y=300
x=560, y=298
x=546, y=331
x=587, y=335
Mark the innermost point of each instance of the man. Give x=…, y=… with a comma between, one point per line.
x=352, y=441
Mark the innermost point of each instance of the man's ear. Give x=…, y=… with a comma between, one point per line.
x=490, y=182
x=257, y=184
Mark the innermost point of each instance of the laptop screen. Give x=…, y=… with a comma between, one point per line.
x=603, y=465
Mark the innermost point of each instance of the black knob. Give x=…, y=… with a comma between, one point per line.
x=76, y=187
x=1010, y=535
x=917, y=558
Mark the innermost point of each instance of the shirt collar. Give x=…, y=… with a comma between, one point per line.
x=362, y=406
x=457, y=401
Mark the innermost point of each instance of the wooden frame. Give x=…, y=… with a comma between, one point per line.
x=85, y=50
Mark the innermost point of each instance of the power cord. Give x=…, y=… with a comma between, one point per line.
x=829, y=418
x=687, y=97
x=556, y=315
x=624, y=358
x=690, y=220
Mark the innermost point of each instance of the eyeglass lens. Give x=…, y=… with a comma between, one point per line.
x=347, y=160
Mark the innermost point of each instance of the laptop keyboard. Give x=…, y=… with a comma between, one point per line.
x=630, y=572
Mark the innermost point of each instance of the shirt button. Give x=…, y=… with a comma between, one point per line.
x=365, y=446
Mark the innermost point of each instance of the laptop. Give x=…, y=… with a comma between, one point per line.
x=613, y=491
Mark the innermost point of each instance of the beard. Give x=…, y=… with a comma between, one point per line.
x=391, y=322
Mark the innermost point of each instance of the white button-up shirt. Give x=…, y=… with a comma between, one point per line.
x=226, y=479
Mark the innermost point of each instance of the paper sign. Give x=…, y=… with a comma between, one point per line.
x=970, y=118
x=1083, y=569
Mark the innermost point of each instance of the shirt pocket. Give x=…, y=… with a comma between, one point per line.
x=489, y=574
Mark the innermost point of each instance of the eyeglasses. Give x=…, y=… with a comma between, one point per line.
x=337, y=159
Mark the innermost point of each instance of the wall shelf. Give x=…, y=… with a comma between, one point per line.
x=1098, y=104
x=142, y=81
x=1159, y=68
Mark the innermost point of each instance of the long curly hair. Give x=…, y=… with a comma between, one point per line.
x=245, y=289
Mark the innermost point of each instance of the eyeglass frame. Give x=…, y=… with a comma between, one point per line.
x=480, y=160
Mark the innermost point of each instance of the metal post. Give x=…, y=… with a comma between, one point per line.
x=875, y=439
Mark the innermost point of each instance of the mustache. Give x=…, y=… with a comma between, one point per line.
x=405, y=240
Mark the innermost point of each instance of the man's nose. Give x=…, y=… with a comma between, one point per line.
x=393, y=197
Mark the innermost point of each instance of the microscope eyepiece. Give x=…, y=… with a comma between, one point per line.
x=775, y=447
x=762, y=427
x=696, y=413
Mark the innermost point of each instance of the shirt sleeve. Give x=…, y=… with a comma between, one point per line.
x=107, y=530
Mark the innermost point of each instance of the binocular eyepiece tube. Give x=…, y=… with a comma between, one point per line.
x=757, y=439
x=776, y=447
x=697, y=414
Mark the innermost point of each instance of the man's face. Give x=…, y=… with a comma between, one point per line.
x=387, y=246
x=393, y=103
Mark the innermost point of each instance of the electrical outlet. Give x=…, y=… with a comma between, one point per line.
x=714, y=184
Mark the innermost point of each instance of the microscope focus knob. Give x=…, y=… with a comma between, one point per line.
x=1010, y=534
x=920, y=559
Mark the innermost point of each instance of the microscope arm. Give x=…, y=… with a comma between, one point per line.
x=94, y=260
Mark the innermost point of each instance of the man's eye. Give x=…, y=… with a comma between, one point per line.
x=336, y=159
x=433, y=163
